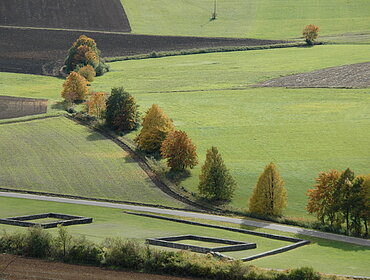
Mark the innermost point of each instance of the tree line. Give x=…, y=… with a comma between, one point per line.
x=337, y=197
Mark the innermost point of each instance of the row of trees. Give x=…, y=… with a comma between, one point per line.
x=341, y=198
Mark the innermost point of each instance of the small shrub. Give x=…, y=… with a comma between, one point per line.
x=37, y=243
x=87, y=72
x=124, y=254
x=83, y=251
x=304, y=273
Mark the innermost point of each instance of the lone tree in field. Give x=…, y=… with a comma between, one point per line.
x=74, y=88
x=269, y=197
x=310, y=33
x=215, y=181
x=179, y=151
x=96, y=104
x=155, y=127
x=85, y=52
x=321, y=197
x=122, y=111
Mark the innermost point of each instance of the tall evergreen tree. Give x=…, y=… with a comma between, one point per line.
x=122, y=111
x=215, y=181
x=269, y=196
x=155, y=127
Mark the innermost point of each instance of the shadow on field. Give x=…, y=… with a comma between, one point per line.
x=95, y=137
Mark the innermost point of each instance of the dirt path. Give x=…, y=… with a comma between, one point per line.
x=19, y=268
x=346, y=76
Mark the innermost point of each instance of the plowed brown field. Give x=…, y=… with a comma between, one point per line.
x=107, y=15
x=14, y=107
x=39, y=51
x=18, y=268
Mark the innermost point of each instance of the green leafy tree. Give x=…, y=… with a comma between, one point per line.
x=122, y=111
x=269, y=196
x=155, y=127
x=179, y=151
x=365, y=202
x=343, y=197
x=215, y=181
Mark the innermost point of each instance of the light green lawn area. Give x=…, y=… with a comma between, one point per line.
x=304, y=131
x=59, y=156
x=323, y=256
x=273, y=19
x=33, y=86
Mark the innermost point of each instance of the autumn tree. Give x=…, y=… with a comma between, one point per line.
x=87, y=72
x=121, y=110
x=74, y=88
x=84, y=51
x=96, y=104
x=179, y=151
x=269, y=195
x=215, y=181
x=155, y=127
x=364, y=206
x=321, y=197
x=310, y=33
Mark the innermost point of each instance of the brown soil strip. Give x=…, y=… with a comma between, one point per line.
x=347, y=76
x=105, y=15
x=14, y=107
x=19, y=268
x=39, y=51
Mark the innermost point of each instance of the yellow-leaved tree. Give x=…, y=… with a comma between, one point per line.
x=96, y=103
x=74, y=88
x=269, y=196
x=155, y=127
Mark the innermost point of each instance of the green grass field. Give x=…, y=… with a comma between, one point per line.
x=273, y=19
x=324, y=256
x=303, y=131
x=59, y=156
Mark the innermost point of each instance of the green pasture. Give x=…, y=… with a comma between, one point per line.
x=270, y=19
x=33, y=86
x=304, y=131
x=324, y=256
x=59, y=156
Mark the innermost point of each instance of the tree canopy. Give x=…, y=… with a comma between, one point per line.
x=269, y=196
x=215, y=181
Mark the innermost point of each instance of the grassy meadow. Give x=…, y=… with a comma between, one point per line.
x=59, y=156
x=303, y=131
x=272, y=19
x=324, y=256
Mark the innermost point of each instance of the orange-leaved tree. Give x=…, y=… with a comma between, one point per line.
x=310, y=33
x=75, y=87
x=96, y=103
x=269, y=196
x=321, y=197
x=179, y=151
x=155, y=127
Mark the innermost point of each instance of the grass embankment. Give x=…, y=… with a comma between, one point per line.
x=324, y=256
x=59, y=156
x=272, y=19
x=304, y=131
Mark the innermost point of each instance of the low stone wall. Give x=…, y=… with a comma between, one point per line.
x=170, y=242
x=296, y=241
x=65, y=220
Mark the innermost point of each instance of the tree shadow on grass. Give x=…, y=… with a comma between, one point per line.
x=95, y=137
x=58, y=105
